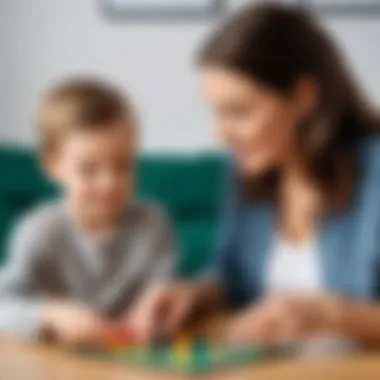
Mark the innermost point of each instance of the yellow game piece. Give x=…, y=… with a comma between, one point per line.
x=181, y=350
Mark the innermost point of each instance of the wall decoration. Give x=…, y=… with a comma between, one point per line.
x=162, y=9
x=344, y=7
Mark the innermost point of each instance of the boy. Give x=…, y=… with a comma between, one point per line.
x=78, y=264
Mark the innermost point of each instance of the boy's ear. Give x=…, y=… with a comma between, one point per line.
x=50, y=166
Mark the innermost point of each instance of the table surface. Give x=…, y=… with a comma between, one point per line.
x=36, y=362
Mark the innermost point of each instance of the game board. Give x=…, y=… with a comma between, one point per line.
x=187, y=354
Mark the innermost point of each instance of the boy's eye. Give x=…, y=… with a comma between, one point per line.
x=117, y=167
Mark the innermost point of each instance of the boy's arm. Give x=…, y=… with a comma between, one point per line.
x=21, y=304
x=164, y=248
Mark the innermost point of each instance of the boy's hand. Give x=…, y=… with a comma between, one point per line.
x=162, y=310
x=74, y=323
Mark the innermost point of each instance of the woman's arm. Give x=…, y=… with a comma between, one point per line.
x=357, y=319
x=286, y=319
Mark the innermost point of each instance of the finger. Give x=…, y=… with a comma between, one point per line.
x=82, y=332
x=242, y=330
x=69, y=336
x=98, y=331
x=261, y=328
x=236, y=327
x=175, y=317
x=143, y=320
x=139, y=319
x=291, y=331
x=267, y=331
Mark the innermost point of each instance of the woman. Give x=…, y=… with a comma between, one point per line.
x=300, y=249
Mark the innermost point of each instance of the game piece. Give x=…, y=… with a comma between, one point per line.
x=120, y=336
x=182, y=349
x=119, y=339
x=201, y=354
x=186, y=353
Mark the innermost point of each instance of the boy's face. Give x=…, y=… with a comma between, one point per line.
x=96, y=169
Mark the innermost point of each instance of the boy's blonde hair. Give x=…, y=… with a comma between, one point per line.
x=79, y=104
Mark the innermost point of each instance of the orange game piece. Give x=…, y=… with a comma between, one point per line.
x=119, y=338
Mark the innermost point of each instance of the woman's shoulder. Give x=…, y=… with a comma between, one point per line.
x=369, y=157
x=369, y=148
x=369, y=172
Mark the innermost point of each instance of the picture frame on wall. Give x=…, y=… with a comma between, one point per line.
x=162, y=9
x=343, y=7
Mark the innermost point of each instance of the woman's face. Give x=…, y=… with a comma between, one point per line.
x=255, y=122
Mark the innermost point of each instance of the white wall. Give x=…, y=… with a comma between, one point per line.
x=43, y=40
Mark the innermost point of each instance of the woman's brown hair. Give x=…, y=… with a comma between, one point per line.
x=276, y=45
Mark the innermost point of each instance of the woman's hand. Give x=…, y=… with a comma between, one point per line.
x=280, y=319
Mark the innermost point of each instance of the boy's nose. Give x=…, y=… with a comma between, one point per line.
x=107, y=181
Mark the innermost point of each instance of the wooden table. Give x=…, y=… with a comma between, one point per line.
x=28, y=361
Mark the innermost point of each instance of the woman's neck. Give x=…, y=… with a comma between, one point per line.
x=300, y=201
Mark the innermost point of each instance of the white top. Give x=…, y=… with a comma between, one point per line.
x=293, y=267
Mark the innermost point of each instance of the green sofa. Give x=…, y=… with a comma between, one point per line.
x=187, y=186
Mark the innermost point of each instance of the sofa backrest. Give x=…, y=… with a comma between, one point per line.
x=188, y=187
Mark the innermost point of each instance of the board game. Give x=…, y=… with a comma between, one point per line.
x=186, y=353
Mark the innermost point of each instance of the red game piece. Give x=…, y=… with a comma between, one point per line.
x=119, y=337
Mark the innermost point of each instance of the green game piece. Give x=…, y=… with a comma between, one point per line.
x=158, y=356
x=201, y=356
